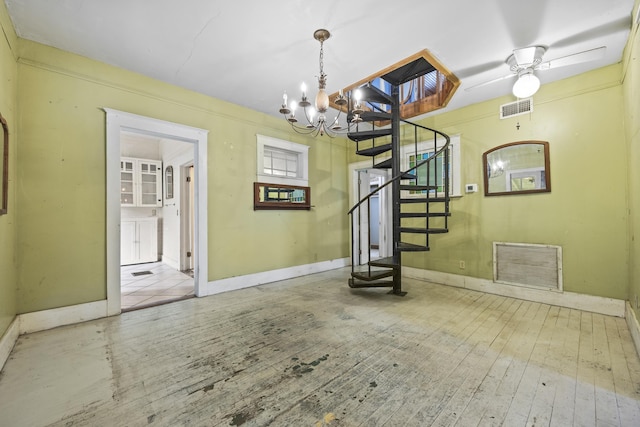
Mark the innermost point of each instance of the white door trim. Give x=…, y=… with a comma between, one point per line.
x=118, y=121
x=187, y=234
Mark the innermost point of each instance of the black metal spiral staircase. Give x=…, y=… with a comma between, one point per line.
x=419, y=194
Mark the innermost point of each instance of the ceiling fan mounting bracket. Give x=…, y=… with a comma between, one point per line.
x=525, y=58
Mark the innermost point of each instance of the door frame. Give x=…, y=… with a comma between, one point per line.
x=116, y=122
x=187, y=220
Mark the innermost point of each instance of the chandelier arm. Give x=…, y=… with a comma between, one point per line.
x=301, y=130
x=307, y=116
x=335, y=120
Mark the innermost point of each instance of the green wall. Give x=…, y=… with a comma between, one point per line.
x=585, y=212
x=8, y=228
x=55, y=254
x=61, y=161
x=631, y=89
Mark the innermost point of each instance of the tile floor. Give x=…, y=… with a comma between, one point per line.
x=162, y=285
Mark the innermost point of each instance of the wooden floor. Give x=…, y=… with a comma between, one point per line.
x=312, y=352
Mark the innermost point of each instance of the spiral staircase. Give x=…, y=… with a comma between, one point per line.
x=419, y=194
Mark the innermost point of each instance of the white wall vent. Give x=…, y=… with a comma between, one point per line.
x=521, y=106
x=537, y=266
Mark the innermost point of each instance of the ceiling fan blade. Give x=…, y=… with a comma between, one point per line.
x=490, y=82
x=576, y=58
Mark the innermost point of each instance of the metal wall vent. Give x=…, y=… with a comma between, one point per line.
x=538, y=266
x=521, y=106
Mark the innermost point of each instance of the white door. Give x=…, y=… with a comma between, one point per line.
x=147, y=229
x=128, y=242
x=361, y=217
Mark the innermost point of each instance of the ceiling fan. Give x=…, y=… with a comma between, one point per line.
x=523, y=62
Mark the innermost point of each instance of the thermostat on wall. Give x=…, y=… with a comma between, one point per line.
x=471, y=188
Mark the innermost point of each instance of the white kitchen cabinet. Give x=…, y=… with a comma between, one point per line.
x=140, y=182
x=138, y=240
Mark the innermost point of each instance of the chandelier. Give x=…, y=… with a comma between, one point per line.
x=315, y=116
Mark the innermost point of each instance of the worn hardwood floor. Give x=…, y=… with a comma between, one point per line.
x=312, y=352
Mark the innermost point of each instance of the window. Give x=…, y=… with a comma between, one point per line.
x=436, y=170
x=281, y=162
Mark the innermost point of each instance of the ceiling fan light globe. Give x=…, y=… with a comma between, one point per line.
x=526, y=86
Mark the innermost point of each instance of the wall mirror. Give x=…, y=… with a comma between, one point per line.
x=277, y=196
x=168, y=182
x=517, y=168
x=4, y=167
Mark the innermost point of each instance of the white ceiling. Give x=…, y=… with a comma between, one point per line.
x=249, y=51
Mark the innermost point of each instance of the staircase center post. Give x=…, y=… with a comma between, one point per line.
x=395, y=186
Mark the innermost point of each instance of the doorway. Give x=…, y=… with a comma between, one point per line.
x=377, y=241
x=151, y=214
x=118, y=122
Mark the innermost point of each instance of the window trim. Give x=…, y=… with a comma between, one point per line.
x=455, y=185
x=301, y=150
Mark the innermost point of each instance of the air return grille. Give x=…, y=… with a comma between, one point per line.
x=521, y=106
x=538, y=266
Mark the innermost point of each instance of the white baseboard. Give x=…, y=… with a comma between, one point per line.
x=634, y=326
x=171, y=262
x=249, y=280
x=8, y=340
x=602, y=305
x=49, y=319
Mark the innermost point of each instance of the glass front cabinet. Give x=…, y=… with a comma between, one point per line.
x=140, y=182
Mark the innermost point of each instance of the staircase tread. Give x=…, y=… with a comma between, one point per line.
x=371, y=116
x=424, y=199
x=374, y=151
x=369, y=134
x=373, y=94
x=410, y=247
x=385, y=164
x=390, y=262
x=372, y=275
x=418, y=187
x=423, y=230
x=416, y=68
x=423, y=214
x=370, y=284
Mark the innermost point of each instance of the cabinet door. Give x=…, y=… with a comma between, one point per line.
x=147, y=239
x=127, y=182
x=128, y=243
x=149, y=173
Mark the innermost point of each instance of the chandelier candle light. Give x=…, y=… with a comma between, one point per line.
x=315, y=125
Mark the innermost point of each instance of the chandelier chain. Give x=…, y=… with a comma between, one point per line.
x=321, y=58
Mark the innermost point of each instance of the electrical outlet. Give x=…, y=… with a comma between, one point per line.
x=462, y=265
